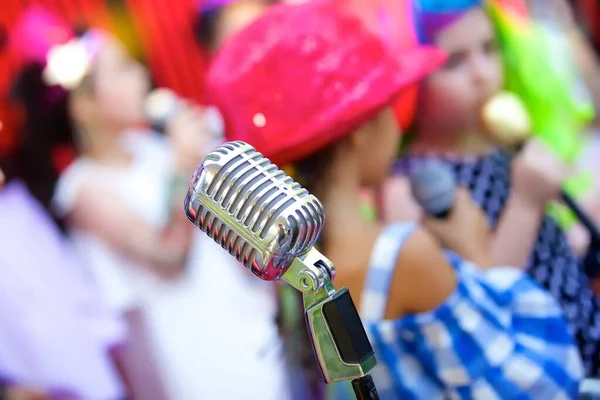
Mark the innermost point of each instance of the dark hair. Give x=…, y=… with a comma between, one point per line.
x=309, y=169
x=48, y=134
x=47, y=128
x=206, y=23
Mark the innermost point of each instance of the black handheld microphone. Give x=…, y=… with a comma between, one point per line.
x=433, y=186
x=269, y=223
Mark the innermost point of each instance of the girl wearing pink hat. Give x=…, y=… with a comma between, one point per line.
x=307, y=85
x=209, y=328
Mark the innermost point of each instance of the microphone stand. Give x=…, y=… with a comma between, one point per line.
x=592, y=259
x=337, y=334
x=581, y=215
x=364, y=388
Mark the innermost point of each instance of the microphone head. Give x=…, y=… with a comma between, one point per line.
x=160, y=105
x=254, y=210
x=434, y=187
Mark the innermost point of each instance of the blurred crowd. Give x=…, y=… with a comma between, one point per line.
x=107, y=291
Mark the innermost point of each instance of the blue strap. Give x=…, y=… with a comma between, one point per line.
x=381, y=269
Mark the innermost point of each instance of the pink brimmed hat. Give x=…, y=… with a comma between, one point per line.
x=303, y=76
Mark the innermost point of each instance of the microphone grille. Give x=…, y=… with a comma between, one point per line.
x=252, y=209
x=433, y=186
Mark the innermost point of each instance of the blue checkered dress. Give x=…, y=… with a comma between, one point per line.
x=498, y=336
x=552, y=263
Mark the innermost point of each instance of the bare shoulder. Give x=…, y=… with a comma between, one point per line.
x=423, y=278
x=99, y=209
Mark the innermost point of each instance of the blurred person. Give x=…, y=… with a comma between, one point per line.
x=210, y=327
x=561, y=16
x=58, y=339
x=440, y=326
x=512, y=190
x=214, y=23
x=563, y=20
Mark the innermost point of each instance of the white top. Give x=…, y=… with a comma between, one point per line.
x=214, y=332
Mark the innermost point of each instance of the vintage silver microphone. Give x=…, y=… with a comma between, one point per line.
x=269, y=223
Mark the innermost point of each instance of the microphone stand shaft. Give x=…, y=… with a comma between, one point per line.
x=364, y=388
x=590, y=262
x=582, y=216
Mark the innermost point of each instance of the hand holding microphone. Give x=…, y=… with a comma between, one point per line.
x=193, y=130
x=450, y=215
x=185, y=126
x=537, y=175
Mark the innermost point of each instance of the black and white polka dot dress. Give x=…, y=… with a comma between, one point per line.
x=552, y=263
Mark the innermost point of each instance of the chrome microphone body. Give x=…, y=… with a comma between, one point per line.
x=269, y=223
x=253, y=210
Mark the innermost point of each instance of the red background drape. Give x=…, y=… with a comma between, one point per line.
x=161, y=32
x=167, y=45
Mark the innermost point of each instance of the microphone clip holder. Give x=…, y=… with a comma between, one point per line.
x=339, y=339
